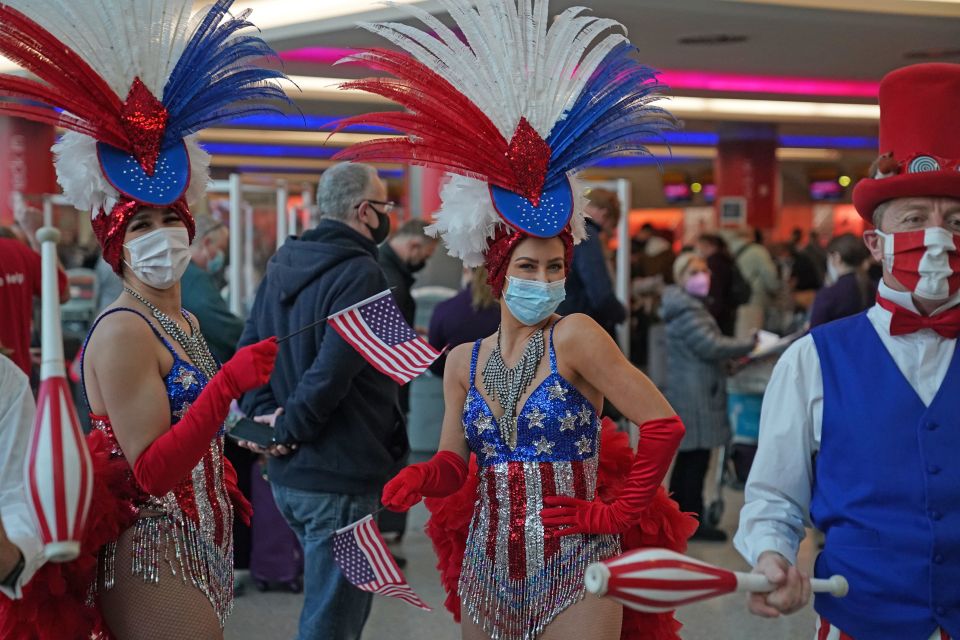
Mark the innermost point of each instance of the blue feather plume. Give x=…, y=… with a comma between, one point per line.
x=612, y=116
x=218, y=78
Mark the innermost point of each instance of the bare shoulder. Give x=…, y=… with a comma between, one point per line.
x=577, y=328
x=121, y=333
x=458, y=361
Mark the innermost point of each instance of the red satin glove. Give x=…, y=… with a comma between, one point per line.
x=171, y=457
x=566, y=516
x=439, y=477
x=241, y=506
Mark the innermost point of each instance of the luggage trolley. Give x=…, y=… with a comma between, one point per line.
x=745, y=390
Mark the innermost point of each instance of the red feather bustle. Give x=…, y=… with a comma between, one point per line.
x=501, y=248
x=110, y=228
x=67, y=82
x=662, y=525
x=443, y=129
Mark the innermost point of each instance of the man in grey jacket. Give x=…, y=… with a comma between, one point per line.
x=757, y=267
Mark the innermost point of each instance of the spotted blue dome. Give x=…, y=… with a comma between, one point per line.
x=544, y=221
x=168, y=182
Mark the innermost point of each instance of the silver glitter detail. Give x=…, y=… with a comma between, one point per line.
x=535, y=419
x=568, y=422
x=563, y=477
x=533, y=525
x=590, y=466
x=489, y=450
x=483, y=423
x=503, y=512
x=584, y=445
x=544, y=446
x=556, y=390
x=507, y=384
x=520, y=609
x=585, y=415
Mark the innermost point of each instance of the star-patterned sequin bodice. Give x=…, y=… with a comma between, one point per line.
x=556, y=423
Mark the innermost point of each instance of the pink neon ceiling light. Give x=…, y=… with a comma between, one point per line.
x=691, y=80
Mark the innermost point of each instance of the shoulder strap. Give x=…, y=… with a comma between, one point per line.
x=739, y=252
x=473, y=363
x=83, y=354
x=553, y=352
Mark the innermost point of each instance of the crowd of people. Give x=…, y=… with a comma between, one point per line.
x=531, y=480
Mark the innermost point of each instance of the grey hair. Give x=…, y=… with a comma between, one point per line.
x=879, y=210
x=205, y=225
x=342, y=187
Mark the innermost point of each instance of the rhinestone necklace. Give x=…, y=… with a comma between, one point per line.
x=506, y=384
x=194, y=345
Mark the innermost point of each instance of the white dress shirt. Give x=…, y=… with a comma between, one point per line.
x=17, y=409
x=778, y=491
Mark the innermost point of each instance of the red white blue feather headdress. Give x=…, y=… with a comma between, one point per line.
x=132, y=81
x=512, y=104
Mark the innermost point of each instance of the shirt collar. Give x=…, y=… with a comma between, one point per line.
x=905, y=299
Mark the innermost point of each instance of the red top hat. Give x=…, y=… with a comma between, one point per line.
x=920, y=132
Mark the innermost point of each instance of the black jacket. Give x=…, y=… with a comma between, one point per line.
x=589, y=287
x=341, y=410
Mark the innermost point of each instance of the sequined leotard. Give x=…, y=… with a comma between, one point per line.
x=191, y=527
x=515, y=580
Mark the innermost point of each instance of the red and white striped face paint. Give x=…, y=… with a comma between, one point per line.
x=926, y=261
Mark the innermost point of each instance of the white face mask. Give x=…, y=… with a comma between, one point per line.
x=160, y=257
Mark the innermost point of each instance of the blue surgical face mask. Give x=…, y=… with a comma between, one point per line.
x=215, y=264
x=531, y=301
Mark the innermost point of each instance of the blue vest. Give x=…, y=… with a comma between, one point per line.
x=886, y=490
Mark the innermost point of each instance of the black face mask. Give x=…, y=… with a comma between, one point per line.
x=383, y=227
x=416, y=266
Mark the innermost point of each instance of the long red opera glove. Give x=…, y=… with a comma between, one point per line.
x=439, y=477
x=659, y=440
x=169, y=458
x=241, y=506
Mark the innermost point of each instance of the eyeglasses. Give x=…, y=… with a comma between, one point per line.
x=387, y=206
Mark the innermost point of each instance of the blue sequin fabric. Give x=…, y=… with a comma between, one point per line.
x=515, y=580
x=191, y=527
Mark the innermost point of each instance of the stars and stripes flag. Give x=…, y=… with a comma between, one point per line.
x=365, y=561
x=376, y=328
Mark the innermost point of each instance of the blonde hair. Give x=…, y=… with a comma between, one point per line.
x=682, y=263
x=482, y=294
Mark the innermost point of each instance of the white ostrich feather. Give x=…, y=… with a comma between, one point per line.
x=516, y=63
x=79, y=174
x=119, y=39
x=87, y=189
x=467, y=221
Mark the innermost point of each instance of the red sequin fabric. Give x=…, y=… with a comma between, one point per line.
x=191, y=527
x=144, y=120
x=501, y=248
x=110, y=228
x=529, y=156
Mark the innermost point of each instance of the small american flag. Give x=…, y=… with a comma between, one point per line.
x=362, y=556
x=376, y=328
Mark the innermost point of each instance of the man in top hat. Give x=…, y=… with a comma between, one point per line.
x=859, y=430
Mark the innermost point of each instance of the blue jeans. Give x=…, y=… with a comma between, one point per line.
x=333, y=609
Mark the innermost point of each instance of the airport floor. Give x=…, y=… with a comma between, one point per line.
x=259, y=616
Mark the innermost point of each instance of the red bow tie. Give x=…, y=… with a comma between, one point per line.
x=904, y=321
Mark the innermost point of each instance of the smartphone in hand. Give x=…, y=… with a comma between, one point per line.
x=252, y=431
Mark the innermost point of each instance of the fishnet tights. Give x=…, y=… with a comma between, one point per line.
x=171, y=609
x=592, y=618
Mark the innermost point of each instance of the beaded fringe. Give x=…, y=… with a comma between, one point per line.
x=511, y=609
x=205, y=566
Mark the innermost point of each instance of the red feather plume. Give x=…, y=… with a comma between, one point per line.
x=67, y=82
x=442, y=127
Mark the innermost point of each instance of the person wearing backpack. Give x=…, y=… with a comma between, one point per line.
x=728, y=288
x=757, y=267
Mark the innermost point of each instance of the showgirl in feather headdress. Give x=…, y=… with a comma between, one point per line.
x=132, y=82
x=512, y=102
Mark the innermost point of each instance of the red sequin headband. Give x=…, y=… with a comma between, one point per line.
x=501, y=248
x=110, y=228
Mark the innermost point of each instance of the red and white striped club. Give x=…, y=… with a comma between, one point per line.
x=660, y=580
x=58, y=470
